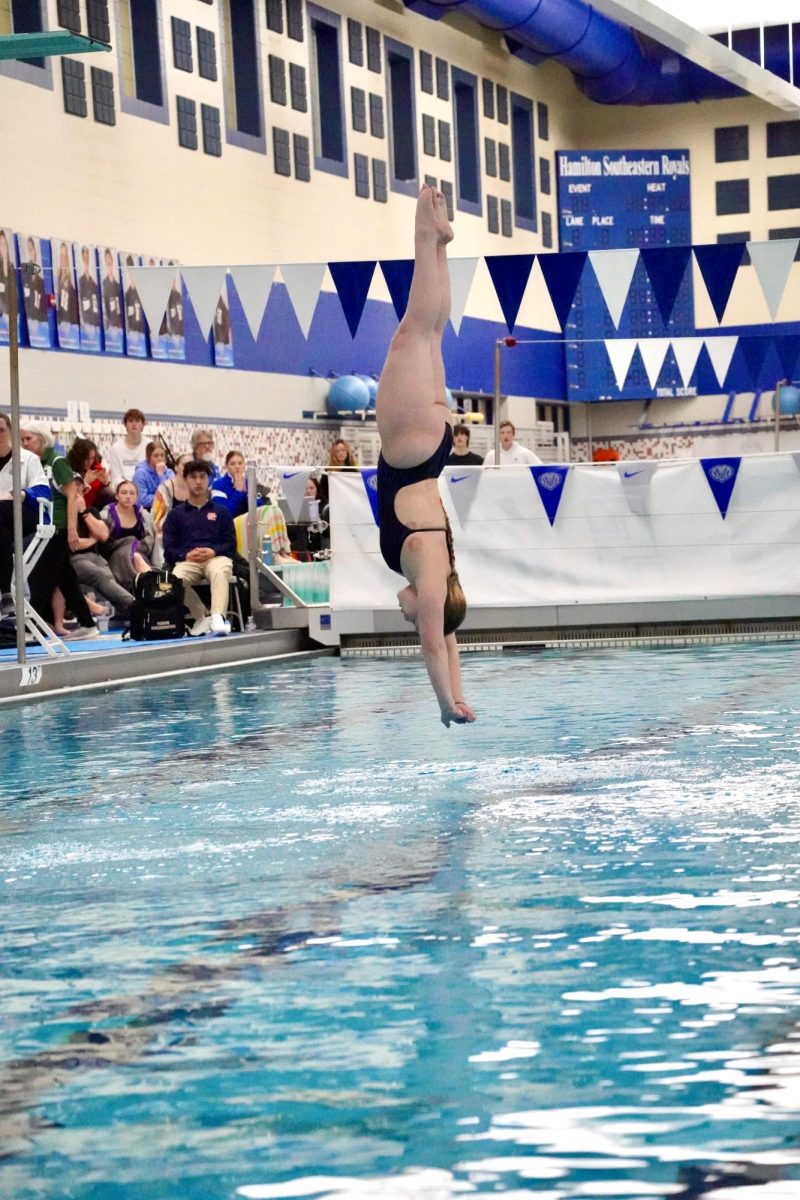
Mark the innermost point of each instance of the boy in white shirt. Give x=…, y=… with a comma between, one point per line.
x=511, y=452
x=126, y=454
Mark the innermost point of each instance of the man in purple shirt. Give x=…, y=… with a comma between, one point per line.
x=199, y=538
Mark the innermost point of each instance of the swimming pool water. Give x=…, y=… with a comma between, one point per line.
x=278, y=933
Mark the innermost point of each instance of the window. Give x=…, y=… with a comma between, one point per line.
x=731, y=143
x=737, y=237
x=144, y=32
x=502, y=104
x=373, y=50
x=244, y=93
x=97, y=25
x=275, y=16
x=544, y=176
x=73, y=77
x=543, y=121
x=431, y=181
x=447, y=191
x=297, y=87
x=445, y=146
x=547, y=231
x=733, y=196
x=376, y=122
x=361, y=167
x=26, y=17
x=426, y=72
x=428, y=135
x=302, y=157
x=379, y=188
x=327, y=95
x=182, y=45
x=442, y=80
x=504, y=161
x=280, y=150
x=793, y=231
x=488, y=99
x=505, y=218
x=358, y=109
x=69, y=15
x=206, y=53
x=187, y=123
x=355, y=42
x=465, y=111
x=103, y=97
x=212, y=133
x=522, y=161
x=402, y=117
x=277, y=79
x=490, y=155
x=492, y=214
x=294, y=19
x=783, y=191
x=783, y=138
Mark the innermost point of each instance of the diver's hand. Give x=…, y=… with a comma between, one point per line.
x=467, y=713
x=459, y=713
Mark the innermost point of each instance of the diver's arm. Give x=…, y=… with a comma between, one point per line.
x=456, y=686
x=430, y=621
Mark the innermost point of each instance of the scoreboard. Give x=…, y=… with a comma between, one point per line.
x=610, y=200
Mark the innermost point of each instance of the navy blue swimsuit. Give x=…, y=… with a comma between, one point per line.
x=390, y=481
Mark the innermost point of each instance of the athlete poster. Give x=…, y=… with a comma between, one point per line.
x=174, y=319
x=65, y=290
x=37, y=278
x=85, y=258
x=222, y=332
x=135, y=330
x=111, y=298
x=8, y=262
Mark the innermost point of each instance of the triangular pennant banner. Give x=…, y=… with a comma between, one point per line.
x=154, y=285
x=687, y=351
x=721, y=350
x=303, y=281
x=550, y=482
x=635, y=478
x=397, y=272
x=620, y=352
x=666, y=267
x=462, y=272
x=204, y=285
x=653, y=352
x=721, y=475
x=562, y=274
x=788, y=348
x=755, y=350
x=293, y=486
x=510, y=273
x=773, y=262
x=718, y=265
x=253, y=284
x=463, y=485
x=370, y=478
x=614, y=270
x=352, y=281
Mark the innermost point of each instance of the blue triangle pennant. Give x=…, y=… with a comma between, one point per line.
x=755, y=348
x=718, y=265
x=550, y=483
x=666, y=267
x=510, y=274
x=788, y=348
x=721, y=475
x=562, y=274
x=352, y=281
x=370, y=477
x=397, y=272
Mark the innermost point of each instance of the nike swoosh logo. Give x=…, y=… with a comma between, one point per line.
x=290, y=474
x=458, y=478
x=630, y=474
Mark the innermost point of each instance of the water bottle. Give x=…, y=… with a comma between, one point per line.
x=266, y=552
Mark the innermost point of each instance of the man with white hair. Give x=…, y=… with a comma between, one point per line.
x=34, y=488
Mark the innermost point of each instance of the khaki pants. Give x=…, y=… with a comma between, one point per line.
x=217, y=572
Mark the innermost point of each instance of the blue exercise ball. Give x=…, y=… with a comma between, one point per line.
x=372, y=387
x=348, y=393
x=790, y=399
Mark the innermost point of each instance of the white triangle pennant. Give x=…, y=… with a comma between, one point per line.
x=204, y=285
x=462, y=483
x=773, y=262
x=686, y=351
x=721, y=351
x=253, y=284
x=614, y=270
x=293, y=486
x=462, y=272
x=620, y=351
x=653, y=352
x=154, y=285
x=635, y=478
x=303, y=281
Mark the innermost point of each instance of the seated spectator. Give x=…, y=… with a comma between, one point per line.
x=34, y=488
x=230, y=488
x=170, y=492
x=317, y=489
x=511, y=452
x=90, y=564
x=461, y=455
x=341, y=457
x=151, y=473
x=199, y=543
x=84, y=458
x=131, y=536
x=126, y=454
x=203, y=450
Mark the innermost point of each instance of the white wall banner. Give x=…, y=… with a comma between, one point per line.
x=463, y=485
x=773, y=262
x=653, y=352
x=614, y=270
x=721, y=350
x=204, y=285
x=293, y=485
x=462, y=272
x=620, y=351
x=303, y=282
x=636, y=478
x=154, y=285
x=686, y=351
x=253, y=286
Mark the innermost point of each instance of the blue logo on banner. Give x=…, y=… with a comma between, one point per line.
x=370, y=477
x=550, y=482
x=721, y=475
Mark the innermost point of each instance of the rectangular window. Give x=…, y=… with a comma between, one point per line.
x=431, y=181
x=402, y=117
x=505, y=218
x=182, y=45
x=302, y=157
x=492, y=214
x=783, y=138
x=731, y=143
x=330, y=149
x=543, y=121
x=465, y=111
x=73, y=77
x=275, y=16
x=97, y=24
x=294, y=20
x=426, y=72
x=522, y=162
x=212, y=133
x=502, y=104
x=733, y=196
x=144, y=29
x=544, y=176
x=504, y=161
x=442, y=80
x=206, y=53
x=376, y=122
x=26, y=17
x=373, y=50
x=277, y=80
x=737, y=237
x=783, y=191
x=69, y=15
x=428, y=135
x=355, y=42
x=447, y=191
x=380, y=191
x=445, y=144
x=297, y=87
x=280, y=150
x=490, y=155
x=361, y=167
x=793, y=231
x=241, y=23
x=488, y=99
x=358, y=109
x=547, y=231
x=187, y=122
x=103, y=97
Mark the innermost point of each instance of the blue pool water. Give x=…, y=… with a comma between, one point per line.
x=277, y=933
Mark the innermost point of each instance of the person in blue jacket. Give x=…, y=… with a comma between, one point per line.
x=150, y=473
x=230, y=488
x=200, y=540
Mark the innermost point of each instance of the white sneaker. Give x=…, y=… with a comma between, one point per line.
x=200, y=627
x=82, y=634
x=219, y=626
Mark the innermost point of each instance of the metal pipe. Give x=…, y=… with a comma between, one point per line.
x=16, y=468
x=253, y=539
x=589, y=428
x=776, y=403
x=497, y=347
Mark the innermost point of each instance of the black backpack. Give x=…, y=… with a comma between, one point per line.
x=157, y=609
